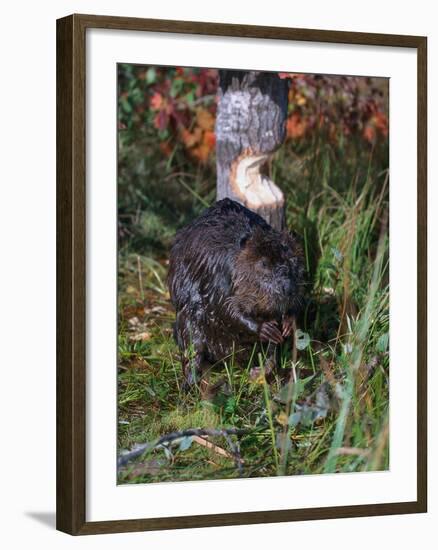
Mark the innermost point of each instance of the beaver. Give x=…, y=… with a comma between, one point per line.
x=234, y=282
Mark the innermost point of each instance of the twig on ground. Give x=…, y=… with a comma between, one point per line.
x=352, y=451
x=127, y=456
x=203, y=441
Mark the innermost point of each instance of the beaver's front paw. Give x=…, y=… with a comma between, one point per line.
x=269, y=332
x=287, y=326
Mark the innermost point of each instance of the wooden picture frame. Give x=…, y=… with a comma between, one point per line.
x=71, y=274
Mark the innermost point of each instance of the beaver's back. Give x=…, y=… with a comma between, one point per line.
x=203, y=252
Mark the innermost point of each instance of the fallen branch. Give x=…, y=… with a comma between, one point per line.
x=139, y=450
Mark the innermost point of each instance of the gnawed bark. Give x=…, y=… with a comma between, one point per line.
x=250, y=126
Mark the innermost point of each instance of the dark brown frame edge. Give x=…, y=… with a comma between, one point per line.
x=71, y=231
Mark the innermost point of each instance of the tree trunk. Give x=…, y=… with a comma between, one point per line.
x=250, y=126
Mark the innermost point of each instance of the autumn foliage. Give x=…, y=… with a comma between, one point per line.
x=179, y=104
x=339, y=106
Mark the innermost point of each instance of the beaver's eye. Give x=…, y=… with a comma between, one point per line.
x=284, y=247
x=264, y=263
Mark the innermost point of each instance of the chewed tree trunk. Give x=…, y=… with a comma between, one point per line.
x=250, y=126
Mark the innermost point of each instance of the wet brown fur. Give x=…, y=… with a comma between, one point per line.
x=235, y=283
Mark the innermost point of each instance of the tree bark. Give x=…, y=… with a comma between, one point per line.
x=250, y=126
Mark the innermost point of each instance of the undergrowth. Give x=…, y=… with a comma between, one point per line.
x=325, y=412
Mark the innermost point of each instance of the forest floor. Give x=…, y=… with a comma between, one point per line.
x=325, y=412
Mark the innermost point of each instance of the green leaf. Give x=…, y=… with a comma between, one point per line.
x=230, y=405
x=126, y=106
x=302, y=339
x=190, y=97
x=348, y=348
x=286, y=392
x=337, y=254
x=151, y=75
x=294, y=419
x=282, y=442
x=186, y=443
x=163, y=134
x=382, y=343
x=176, y=87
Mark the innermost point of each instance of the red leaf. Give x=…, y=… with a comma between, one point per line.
x=161, y=120
x=156, y=101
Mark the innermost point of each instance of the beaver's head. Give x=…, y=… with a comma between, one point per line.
x=269, y=271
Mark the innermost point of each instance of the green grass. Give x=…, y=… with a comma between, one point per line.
x=328, y=411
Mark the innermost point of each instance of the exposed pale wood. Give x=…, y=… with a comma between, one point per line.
x=203, y=441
